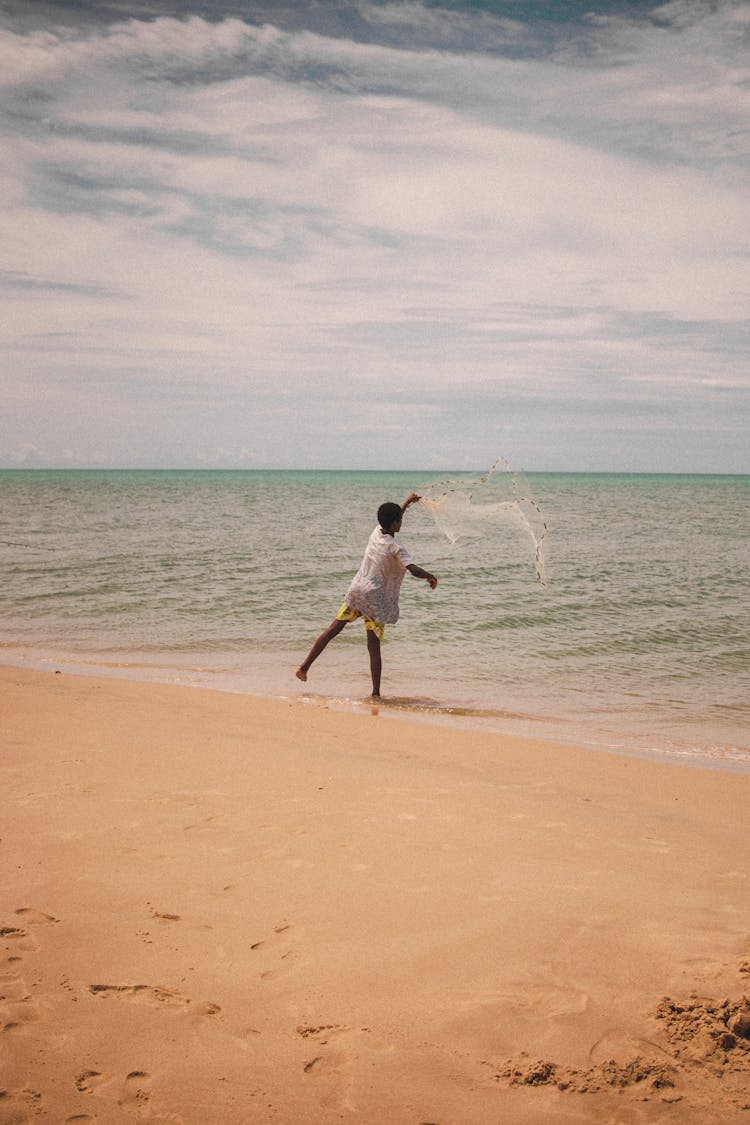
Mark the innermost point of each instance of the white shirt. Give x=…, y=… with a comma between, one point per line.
x=375, y=587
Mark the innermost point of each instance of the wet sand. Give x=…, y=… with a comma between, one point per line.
x=221, y=910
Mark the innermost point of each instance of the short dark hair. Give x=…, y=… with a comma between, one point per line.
x=388, y=513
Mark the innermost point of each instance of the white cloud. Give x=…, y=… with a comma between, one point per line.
x=216, y=209
x=444, y=26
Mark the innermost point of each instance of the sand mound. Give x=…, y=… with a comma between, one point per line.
x=706, y=1040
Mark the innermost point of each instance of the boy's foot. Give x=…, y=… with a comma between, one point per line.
x=301, y=675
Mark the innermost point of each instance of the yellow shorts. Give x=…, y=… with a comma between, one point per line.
x=346, y=613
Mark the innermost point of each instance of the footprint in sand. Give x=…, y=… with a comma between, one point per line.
x=621, y=1046
x=16, y=1005
x=276, y=948
x=14, y=1017
x=36, y=917
x=22, y=941
x=140, y=993
x=132, y=1095
x=546, y=998
x=90, y=1080
x=201, y=826
x=19, y=940
x=19, y=1107
x=286, y=963
x=136, y=1091
x=336, y=1050
x=154, y=995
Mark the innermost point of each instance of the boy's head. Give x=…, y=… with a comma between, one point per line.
x=389, y=514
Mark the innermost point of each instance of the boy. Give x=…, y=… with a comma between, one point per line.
x=373, y=593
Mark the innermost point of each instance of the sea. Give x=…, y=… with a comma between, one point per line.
x=605, y=610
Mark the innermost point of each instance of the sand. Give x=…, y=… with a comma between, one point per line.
x=220, y=910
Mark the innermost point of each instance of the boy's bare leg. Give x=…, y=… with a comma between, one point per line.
x=332, y=631
x=376, y=664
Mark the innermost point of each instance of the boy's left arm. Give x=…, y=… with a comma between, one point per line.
x=413, y=499
x=418, y=572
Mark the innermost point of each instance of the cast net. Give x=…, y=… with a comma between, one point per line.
x=489, y=505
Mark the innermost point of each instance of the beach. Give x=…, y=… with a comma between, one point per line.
x=220, y=909
x=638, y=641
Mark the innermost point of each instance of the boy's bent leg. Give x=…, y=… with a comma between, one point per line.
x=325, y=637
x=376, y=664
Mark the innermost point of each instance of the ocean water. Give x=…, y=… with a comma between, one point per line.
x=639, y=641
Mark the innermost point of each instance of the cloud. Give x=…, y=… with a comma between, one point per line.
x=258, y=224
x=444, y=27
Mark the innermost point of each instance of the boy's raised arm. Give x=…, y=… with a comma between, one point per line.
x=410, y=500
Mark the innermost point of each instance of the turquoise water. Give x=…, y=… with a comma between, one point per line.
x=640, y=640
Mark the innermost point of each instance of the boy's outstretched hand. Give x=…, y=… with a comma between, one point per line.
x=413, y=499
x=419, y=572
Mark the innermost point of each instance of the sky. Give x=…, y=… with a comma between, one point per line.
x=375, y=234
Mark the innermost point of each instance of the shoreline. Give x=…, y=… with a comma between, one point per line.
x=567, y=732
x=219, y=909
